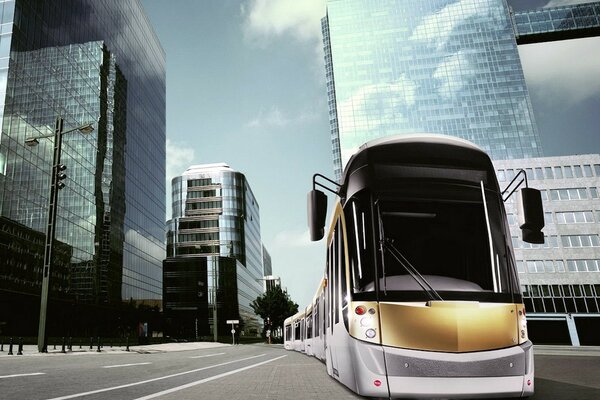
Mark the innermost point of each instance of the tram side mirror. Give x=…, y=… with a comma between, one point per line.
x=317, y=212
x=531, y=215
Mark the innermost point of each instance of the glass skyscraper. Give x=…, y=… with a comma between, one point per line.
x=87, y=61
x=436, y=66
x=214, y=252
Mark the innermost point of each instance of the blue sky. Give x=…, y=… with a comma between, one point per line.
x=245, y=86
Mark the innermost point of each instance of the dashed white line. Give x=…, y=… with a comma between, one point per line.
x=17, y=375
x=126, y=365
x=71, y=396
x=208, y=355
x=201, y=381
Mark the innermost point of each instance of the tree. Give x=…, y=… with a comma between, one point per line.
x=276, y=305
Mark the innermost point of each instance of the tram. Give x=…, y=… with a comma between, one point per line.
x=420, y=296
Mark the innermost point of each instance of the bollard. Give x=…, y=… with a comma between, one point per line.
x=91, y=342
x=2, y=346
x=127, y=343
x=70, y=343
x=80, y=341
x=10, y=344
x=20, y=352
x=54, y=345
x=98, y=345
x=63, y=345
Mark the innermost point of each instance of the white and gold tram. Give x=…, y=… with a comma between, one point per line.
x=420, y=296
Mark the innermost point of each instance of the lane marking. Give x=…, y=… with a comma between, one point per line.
x=17, y=375
x=71, y=396
x=212, y=378
x=126, y=365
x=208, y=355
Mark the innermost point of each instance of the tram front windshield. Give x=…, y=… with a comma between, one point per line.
x=452, y=234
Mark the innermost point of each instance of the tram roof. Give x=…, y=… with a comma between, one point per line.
x=414, y=148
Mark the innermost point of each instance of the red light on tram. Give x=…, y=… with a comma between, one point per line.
x=360, y=310
x=377, y=382
x=528, y=382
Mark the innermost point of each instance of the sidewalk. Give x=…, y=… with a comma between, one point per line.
x=548, y=350
x=31, y=350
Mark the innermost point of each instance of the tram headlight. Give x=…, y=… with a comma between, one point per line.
x=370, y=333
x=367, y=321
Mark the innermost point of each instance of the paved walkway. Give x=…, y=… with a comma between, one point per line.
x=32, y=350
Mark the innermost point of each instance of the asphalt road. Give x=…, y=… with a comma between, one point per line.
x=232, y=372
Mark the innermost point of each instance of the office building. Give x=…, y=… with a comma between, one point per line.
x=215, y=255
x=84, y=61
x=560, y=279
x=267, y=264
x=395, y=67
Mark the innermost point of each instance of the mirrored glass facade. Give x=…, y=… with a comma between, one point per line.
x=436, y=66
x=216, y=222
x=87, y=61
x=555, y=23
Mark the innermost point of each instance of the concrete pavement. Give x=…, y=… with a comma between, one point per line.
x=32, y=350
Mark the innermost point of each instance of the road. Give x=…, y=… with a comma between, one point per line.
x=231, y=372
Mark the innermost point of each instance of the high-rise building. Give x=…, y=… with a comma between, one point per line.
x=267, y=264
x=85, y=61
x=438, y=66
x=560, y=279
x=214, y=259
x=452, y=67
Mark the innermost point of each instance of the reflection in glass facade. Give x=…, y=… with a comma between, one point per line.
x=215, y=228
x=438, y=66
x=554, y=23
x=87, y=61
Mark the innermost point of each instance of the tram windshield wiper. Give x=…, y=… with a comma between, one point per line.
x=388, y=244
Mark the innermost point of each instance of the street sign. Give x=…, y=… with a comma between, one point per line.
x=233, y=321
x=233, y=331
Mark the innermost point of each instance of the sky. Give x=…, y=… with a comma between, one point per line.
x=246, y=86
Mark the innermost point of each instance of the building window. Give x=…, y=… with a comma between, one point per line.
x=558, y=172
x=574, y=217
x=569, y=194
x=580, y=241
x=587, y=171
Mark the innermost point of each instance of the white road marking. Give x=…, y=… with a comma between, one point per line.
x=208, y=355
x=17, y=375
x=212, y=378
x=126, y=365
x=71, y=396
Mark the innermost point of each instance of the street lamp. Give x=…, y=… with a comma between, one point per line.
x=57, y=176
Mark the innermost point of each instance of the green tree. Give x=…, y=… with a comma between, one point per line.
x=276, y=305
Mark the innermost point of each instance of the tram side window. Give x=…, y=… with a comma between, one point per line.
x=317, y=321
x=288, y=332
x=358, y=223
x=329, y=286
x=297, y=330
x=343, y=288
x=336, y=273
x=309, y=326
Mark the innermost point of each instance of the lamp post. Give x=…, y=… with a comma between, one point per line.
x=56, y=184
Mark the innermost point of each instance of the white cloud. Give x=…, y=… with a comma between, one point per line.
x=264, y=19
x=179, y=157
x=453, y=73
x=275, y=118
x=565, y=72
x=436, y=28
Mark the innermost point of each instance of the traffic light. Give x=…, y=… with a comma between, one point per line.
x=60, y=176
